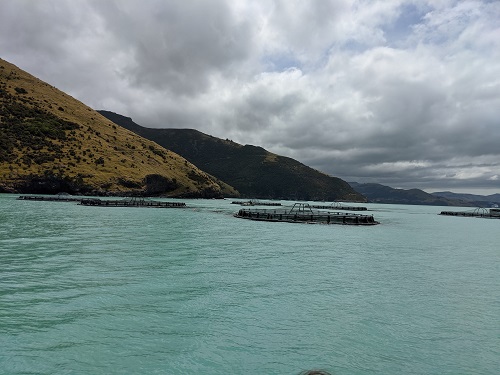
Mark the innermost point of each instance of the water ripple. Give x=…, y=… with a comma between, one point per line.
x=118, y=291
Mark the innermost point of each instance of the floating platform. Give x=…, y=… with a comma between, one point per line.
x=60, y=197
x=130, y=202
x=256, y=203
x=492, y=213
x=339, y=206
x=303, y=213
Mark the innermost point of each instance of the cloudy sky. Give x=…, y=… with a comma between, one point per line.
x=400, y=92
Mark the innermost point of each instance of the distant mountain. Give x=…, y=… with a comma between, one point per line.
x=474, y=199
x=51, y=142
x=377, y=193
x=253, y=171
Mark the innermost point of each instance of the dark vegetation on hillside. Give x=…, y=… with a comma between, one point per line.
x=253, y=171
x=30, y=128
x=30, y=135
x=50, y=142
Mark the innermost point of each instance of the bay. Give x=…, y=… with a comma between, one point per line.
x=92, y=290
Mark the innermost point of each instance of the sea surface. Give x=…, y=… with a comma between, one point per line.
x=92, y=290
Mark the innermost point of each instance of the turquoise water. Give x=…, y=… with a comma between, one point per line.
x=90, y=290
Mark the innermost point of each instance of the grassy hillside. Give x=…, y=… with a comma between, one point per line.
x=50, y=142
x=255, y=172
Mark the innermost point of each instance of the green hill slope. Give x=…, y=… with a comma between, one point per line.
x=50, y=142
x=253, y=171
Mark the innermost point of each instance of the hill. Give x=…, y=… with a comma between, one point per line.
x=253, y=171
x=51, y=142
x=377, y=193
x=474, y=199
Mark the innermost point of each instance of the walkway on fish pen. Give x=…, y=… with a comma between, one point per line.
x=492, y=213
x=303, y=213
x=339, y=206
x=256, y=203
x=60, y=197
x=130, y=202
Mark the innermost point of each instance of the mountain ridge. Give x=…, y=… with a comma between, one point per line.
x=476, y=200
x=377, y=193
x=252, y=170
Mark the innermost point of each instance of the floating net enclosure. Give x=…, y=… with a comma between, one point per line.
x=303, y=213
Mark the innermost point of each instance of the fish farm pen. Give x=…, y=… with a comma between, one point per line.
x=303, y=213
x=60, y=197
x=339, y=206
x=256, y=203
x=130, y=202
x=492, y=213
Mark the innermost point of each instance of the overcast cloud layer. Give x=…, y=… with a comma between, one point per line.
x=403, y=92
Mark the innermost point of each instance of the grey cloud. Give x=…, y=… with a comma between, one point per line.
x=29, y=27
x=404, y=93
x=176, y=46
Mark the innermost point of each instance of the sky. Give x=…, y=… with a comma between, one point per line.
x=404, y=93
